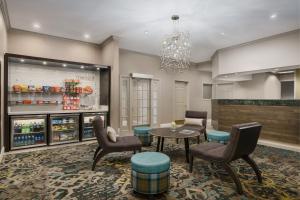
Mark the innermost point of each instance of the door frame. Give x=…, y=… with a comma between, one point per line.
x=174, y=97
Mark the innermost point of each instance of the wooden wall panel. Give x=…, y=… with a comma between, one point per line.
x=280, y=123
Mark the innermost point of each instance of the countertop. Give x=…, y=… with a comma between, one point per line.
x=259, y=102
x=56, y=112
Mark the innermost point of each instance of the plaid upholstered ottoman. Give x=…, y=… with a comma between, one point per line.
x=150, y=172
x=218, y=136
x=142, y=132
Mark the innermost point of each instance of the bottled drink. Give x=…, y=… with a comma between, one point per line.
x=19, y=140
x=42, y=138
x=34, y=127
x=15, y=141
x=19, y=128
x=23, y=128
x=16, y=127
x=30, y=127
x=37, y=127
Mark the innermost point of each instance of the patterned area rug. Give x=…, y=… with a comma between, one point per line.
x=65, y=173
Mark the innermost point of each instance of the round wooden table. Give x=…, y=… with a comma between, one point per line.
x=179, y=133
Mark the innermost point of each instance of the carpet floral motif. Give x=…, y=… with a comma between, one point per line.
x=65, y=173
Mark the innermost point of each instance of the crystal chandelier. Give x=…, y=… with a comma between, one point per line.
x=176, y=50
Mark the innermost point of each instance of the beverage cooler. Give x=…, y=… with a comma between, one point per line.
x=87, y=126
x=64, y=128
x=28, y=131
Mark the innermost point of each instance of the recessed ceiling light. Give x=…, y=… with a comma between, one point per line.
x=22, y=60
x=36, y=25
x=86, y=36
x=222, y=33
x=64, y=65
x=273, y=16
x=82, y=67
x=98, y=68
x=146, y=32
x=44, y=63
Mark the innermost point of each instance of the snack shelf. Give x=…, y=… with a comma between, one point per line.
x=29, y=146
x=54, y=93
x=14, y=103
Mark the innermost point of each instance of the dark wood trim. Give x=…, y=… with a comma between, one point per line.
x=109, y=96
x=51, y=60
x=6, y=124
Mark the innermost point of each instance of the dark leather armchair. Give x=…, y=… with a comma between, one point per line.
x=127, y=143
x=242, y=143
x=197, y=115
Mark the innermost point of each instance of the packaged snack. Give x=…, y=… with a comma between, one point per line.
x=46, y=88
x=38, y=88
x=27, y=101
x=31, y=88
x=16, y=88
x=24, y=88
x=39, y=102
x=88, y=90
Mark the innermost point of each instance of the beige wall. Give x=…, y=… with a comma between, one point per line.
x=3, y=48
x=147, y=64
x=34, y=44
x=262, y=86
x=110, y=56
x=273, y=52
x=297, y=84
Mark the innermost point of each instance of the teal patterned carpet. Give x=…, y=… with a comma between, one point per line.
x=65, y=173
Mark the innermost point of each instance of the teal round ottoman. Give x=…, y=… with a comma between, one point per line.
x=150, y=173
x=142, y=132
x=218, y=136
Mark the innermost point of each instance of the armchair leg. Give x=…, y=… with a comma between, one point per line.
x=177, y=140
x=97, y=151
x=98, y=157
x=254, y=166
x=134, y=151
x=234, y=176
x=198, y=139
x=191, y=163
x=205, y=135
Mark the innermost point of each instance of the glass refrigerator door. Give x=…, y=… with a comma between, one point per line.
x=28, y=131
x=64, y=129
x=88, y=132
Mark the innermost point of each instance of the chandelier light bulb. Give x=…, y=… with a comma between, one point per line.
x=176, y=50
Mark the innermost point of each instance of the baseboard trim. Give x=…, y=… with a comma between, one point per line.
x=280, y=145
x=1, y=154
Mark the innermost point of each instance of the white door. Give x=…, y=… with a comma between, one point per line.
x=181, y=96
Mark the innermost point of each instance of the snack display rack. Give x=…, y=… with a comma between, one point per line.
x=51, y=102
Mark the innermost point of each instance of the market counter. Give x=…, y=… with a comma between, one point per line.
x=102, y=109
x=280, y=118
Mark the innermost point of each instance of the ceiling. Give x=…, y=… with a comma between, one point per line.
x=213, y=24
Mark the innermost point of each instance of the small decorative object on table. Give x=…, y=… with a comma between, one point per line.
x=173, y=126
